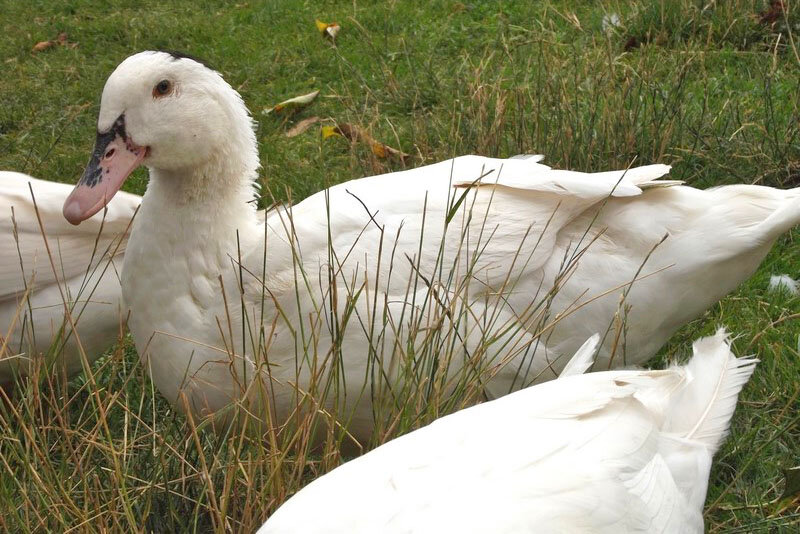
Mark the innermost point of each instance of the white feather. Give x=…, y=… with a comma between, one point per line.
x=784, y=282
x=703, y=409
x=616, y=451
x=583, y=358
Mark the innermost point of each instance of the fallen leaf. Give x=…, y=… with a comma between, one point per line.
x=61, y=40
x=330, y=131
x=301, y=126
x=379, y=149
x=332, y=31
x=354, y=134
x=43, y=45
x=328, y=29
x=293, y=105
x=385, y=151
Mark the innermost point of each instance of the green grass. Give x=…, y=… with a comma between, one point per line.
x=704, y=86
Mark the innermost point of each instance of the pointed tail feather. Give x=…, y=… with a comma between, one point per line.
x=583, y=358
x=702, y=410
x=646, y=176
x=782, y=219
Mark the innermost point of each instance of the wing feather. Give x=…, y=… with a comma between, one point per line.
x=25, y=217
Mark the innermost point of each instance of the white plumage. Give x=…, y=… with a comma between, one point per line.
x=472, y=245
x=784, y=282
x=608, y=452
x=86, y=264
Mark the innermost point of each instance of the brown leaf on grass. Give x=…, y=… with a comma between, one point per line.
x=43, y=45
x=355, y=134
x=328, y=30
x=293, y=105
x=301, y=126
x=61, y=40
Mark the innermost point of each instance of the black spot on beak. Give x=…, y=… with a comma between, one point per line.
x=93, y=174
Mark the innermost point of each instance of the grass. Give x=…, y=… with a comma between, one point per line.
x=707, y=87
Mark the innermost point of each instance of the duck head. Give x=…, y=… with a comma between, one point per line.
x=168, y=112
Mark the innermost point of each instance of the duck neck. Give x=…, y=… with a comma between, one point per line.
x=204, y=205
x=202, y=195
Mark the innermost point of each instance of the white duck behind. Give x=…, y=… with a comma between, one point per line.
x=87, y=262
x=606, y=452
x=380, y=240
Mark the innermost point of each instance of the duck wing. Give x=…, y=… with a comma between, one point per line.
x=484, y=218
x=75, y=250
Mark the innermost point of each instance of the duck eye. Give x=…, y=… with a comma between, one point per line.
x=162, y=88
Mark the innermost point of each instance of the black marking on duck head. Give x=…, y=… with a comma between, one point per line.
x=176, y=55
x=93, y=174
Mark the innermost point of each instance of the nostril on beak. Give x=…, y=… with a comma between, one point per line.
x=110, y=153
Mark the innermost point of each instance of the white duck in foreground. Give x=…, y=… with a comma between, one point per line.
x=607, y=452
x=453, y=260
x=86, y=264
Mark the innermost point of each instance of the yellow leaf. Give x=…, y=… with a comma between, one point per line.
x=379, y=149
x=330, y=131
x=328, y=29
x=354, y=134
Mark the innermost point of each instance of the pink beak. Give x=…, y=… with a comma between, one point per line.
x=114, y=158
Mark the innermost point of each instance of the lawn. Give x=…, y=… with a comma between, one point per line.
x=710, y=88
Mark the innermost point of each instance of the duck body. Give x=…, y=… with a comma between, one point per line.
x=87, y=262
x=350, y=250
x=377, y=245
x=615, y=451
x=356, y=277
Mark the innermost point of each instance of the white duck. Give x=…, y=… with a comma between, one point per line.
x=86, y=263
x=336, y=282
x=607, y=452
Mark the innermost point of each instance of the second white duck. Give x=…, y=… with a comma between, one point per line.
x=616, y=451
x=83, y=275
